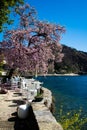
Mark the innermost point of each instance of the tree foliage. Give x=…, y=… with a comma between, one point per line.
x=5, y=10
x=29, y=46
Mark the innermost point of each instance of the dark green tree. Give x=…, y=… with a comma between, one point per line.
x=5, y=9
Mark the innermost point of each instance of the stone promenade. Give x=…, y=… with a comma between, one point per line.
x=39, y=118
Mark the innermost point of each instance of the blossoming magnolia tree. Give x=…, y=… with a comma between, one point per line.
x=29, y=47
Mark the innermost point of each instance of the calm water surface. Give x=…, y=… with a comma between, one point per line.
x=69, y=91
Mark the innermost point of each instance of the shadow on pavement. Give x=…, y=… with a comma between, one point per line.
x=29, y=123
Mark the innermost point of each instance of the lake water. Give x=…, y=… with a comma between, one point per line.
x=69, y=91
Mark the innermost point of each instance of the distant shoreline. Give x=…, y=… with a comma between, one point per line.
x=68, y=74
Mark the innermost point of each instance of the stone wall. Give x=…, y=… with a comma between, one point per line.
x=45, y=119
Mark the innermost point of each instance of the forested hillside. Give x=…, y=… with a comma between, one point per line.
x=73, y=62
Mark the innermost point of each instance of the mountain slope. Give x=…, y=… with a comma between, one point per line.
x=73, y=62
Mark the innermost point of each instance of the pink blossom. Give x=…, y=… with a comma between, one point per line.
x=32, y=45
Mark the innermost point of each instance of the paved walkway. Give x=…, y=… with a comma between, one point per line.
x=40, y=118
x=8, y=104
x=8, y=113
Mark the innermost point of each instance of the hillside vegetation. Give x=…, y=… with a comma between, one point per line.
x=73, y=62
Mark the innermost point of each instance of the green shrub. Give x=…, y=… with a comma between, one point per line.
x=72, y=120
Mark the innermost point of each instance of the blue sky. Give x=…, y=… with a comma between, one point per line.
x=69, y=13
